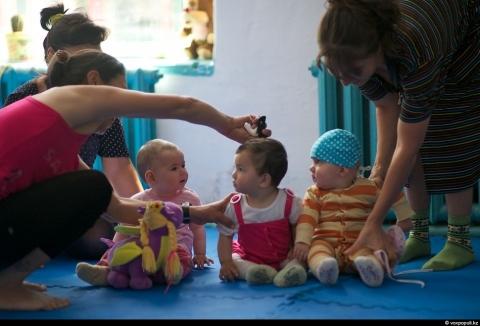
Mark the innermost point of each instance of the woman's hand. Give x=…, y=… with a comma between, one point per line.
x=212, y=213
x=237, y=129
x=373, y=237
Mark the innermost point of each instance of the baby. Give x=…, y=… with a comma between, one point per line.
x=162, y=166
x=335, y=209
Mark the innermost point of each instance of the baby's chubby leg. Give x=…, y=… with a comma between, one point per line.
x=322, y=262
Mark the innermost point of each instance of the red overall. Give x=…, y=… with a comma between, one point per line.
x=263, y=243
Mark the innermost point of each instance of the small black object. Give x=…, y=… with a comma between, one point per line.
x=186, y=212
x=261, y=125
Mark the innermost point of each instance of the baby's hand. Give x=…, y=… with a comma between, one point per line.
x=200, y=260
x=300, y=251
x=228, y=271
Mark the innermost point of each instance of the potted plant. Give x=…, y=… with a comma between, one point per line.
x=17, y=41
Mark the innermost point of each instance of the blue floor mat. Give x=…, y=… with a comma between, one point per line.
x=447, y=295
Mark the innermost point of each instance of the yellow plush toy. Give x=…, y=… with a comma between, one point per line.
x=150, y=249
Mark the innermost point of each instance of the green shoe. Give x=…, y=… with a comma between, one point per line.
x=415, y=248
x=452, y=256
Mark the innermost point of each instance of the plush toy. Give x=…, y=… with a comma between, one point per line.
x=149, y=254
x=261, y=125
x=198, y=41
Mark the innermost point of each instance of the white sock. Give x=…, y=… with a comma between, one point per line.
x=370, y=270
x=327, y=271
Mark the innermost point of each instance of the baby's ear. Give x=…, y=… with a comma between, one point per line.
x=149, y=176
x=266, y=180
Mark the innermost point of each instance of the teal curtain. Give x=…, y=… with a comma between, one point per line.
x=345, y=107
x=137, y=131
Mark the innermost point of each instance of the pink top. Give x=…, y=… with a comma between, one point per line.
x=36, y=144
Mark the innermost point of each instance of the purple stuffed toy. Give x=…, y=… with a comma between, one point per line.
x=149, y=254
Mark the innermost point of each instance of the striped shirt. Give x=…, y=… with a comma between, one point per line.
x=437, y=74
x=340, y=214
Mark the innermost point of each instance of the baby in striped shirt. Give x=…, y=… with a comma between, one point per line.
x=335, y=208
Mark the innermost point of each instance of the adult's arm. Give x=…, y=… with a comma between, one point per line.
x=125, y=210
x=410, y=138
x=85, y=107
x=122, y=175
x=387, y=114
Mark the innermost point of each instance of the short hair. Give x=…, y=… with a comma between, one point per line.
x=268, y=156
x=149, y=152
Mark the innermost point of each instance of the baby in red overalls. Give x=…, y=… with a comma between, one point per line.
x=264, y=216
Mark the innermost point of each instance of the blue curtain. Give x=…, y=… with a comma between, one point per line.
x=137, y=131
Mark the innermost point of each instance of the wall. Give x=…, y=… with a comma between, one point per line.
x=262, y=54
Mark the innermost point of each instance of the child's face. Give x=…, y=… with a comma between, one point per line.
x=325, y=175
x=170, y=172
x=245, y=177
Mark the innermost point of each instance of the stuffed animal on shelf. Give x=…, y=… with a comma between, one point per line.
x=149, y=254
x=198, y=40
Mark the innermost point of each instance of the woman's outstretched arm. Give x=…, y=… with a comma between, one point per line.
x=85, y=107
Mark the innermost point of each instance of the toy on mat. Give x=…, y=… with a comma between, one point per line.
x=149, y=254
x=261, y=125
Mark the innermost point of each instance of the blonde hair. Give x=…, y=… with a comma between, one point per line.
x=149, y=152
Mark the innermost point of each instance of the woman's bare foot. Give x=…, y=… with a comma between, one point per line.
x=35, y=286
x=25, y=298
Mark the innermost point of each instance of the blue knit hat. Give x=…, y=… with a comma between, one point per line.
x=338, y=147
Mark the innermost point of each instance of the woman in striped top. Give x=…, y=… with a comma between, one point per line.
x=419, y=61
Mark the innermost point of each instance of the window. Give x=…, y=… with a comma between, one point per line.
x=146, y=29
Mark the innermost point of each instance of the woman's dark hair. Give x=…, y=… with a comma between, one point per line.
x=65, y=69
x=269, y=156
x=355, y=29
x=66, y=30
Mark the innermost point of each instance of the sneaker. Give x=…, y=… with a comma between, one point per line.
x=327, y=271
x=370, y=270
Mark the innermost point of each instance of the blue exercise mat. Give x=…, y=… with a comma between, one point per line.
x=447, y=295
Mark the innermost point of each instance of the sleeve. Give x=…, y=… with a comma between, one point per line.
x=139, y=196
x=402, y=209
x=422, y=87
x=229, y=213
x=296, y=210
x=308, y=218
x=27, y=89
x=113, y=142
x=375, y=88
x=193, y=197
